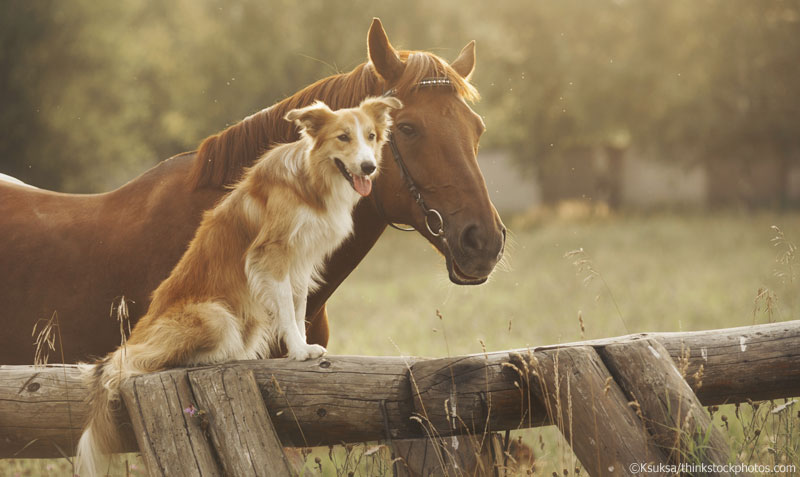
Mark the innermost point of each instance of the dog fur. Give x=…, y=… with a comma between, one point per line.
x=241, y=287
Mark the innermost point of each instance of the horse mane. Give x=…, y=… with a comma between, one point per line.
x=222, y=157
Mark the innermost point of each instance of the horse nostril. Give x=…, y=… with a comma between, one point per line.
x=471, y=238
x=368, y=167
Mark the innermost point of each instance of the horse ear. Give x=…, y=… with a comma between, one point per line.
x=379, y=109
x=465, y=63
x=383, y=57
x=311, y=118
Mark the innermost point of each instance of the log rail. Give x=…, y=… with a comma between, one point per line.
x=338, y=399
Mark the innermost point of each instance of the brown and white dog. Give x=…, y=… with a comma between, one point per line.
x=241, y=287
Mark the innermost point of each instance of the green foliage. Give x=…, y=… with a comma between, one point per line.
x=93, y=93
x=710, y=78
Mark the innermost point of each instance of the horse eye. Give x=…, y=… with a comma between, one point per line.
x=343, y=137
x=407, y=129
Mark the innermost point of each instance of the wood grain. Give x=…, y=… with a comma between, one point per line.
x=593, y=414
x=673, y=415
x=337, y=398
x=239, y=425
x=171, y=440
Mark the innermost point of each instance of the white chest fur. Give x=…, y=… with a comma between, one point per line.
x=317, y=234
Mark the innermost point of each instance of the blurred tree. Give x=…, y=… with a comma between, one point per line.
x=711, y=81
x=22, y=25
x=751, y=121
x=94, y=93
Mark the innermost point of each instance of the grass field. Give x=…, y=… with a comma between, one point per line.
x=636, y=273
x=646, y=273
x=656, y=273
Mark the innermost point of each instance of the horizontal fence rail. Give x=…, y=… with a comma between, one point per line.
x=339, y=399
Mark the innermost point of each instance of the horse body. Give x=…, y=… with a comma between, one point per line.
x=75, y=255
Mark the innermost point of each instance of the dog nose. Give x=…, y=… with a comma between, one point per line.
x=368, y=167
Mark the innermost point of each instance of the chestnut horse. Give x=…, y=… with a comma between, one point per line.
x=75, y=255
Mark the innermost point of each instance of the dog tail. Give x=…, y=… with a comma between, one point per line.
x=100, y=436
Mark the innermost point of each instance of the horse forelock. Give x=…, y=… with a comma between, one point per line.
x=222, y=157
x=421, y=65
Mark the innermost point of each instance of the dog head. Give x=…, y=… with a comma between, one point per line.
x=351, y=139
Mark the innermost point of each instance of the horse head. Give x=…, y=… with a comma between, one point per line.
x=431, y=179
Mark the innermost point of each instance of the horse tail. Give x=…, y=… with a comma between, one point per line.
x=100, y=436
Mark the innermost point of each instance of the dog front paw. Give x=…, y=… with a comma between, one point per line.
x=306, y=351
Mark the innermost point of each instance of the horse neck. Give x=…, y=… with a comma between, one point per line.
x=367, y=228
x=222, y=158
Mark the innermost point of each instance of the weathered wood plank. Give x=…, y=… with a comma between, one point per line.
x=338, y=399
x=239, y=425
x=470, y=394
x=172, y=441
x=589, y=408
x=758, y=362
x=679, y=424
x=333, y=399
x=42, y=410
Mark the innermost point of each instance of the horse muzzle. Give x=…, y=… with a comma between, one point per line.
x=473, y=252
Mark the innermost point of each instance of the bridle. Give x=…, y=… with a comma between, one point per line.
x=428, y=212
x=415, y=194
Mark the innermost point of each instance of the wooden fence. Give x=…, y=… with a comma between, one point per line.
x=584, y=388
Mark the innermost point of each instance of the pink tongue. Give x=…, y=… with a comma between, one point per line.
x=362, y=185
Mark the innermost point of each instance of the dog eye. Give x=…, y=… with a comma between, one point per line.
x=343, y=138
x=371, y=136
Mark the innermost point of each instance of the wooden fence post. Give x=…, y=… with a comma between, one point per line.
x=171, y=440
x=670, y=409
x=585, y=403
x=239, y=424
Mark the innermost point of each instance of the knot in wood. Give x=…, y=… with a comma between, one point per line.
x=325, y=364
x=321, y=412
x=33, y=387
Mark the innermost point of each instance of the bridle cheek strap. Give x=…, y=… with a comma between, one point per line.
x=435, y=228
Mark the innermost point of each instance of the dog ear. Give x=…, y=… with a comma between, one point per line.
x=379, y=109
x=311, y=118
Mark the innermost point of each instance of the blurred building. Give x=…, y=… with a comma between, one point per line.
x=637, y=181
